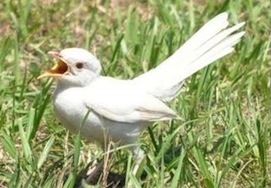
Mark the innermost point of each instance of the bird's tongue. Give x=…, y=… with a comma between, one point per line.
x=56, y=71
x=59, y=68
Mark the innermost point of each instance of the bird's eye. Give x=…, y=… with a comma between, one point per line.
x=79, y=65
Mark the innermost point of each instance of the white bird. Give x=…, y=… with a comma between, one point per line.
x=100, y=107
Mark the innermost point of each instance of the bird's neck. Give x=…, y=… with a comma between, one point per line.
x=67, y=83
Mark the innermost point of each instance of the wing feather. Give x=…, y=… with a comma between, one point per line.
x=122, y=103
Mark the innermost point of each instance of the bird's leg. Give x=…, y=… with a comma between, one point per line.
x=139, y=158
x=102, y=168
x=90, y=174
x=101, y=172
x=93, y=175
x=107, y=159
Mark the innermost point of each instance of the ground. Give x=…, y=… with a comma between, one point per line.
x=223, y=138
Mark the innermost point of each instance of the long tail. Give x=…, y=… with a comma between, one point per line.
x=213, y=41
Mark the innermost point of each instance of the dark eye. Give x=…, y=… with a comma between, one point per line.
x=79, y=65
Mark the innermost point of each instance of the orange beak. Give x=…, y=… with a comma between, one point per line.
x=58, y=69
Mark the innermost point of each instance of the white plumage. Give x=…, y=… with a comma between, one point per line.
x=210, y=43
x=121, y=109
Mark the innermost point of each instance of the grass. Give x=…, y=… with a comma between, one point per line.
x=224, y=137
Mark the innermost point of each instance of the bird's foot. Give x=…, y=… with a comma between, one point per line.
x=97, y=174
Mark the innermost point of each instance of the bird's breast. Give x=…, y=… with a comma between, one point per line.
x=73, y=114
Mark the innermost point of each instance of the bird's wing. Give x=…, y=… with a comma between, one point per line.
x=124, y=104
x=213, y=41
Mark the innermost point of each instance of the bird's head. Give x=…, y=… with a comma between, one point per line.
x=75, y=66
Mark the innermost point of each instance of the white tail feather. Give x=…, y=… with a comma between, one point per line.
x=206, y=32
x=210, y=43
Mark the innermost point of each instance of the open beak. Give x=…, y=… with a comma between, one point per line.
x=59, y=69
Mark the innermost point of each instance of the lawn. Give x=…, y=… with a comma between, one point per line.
x=223, y=137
